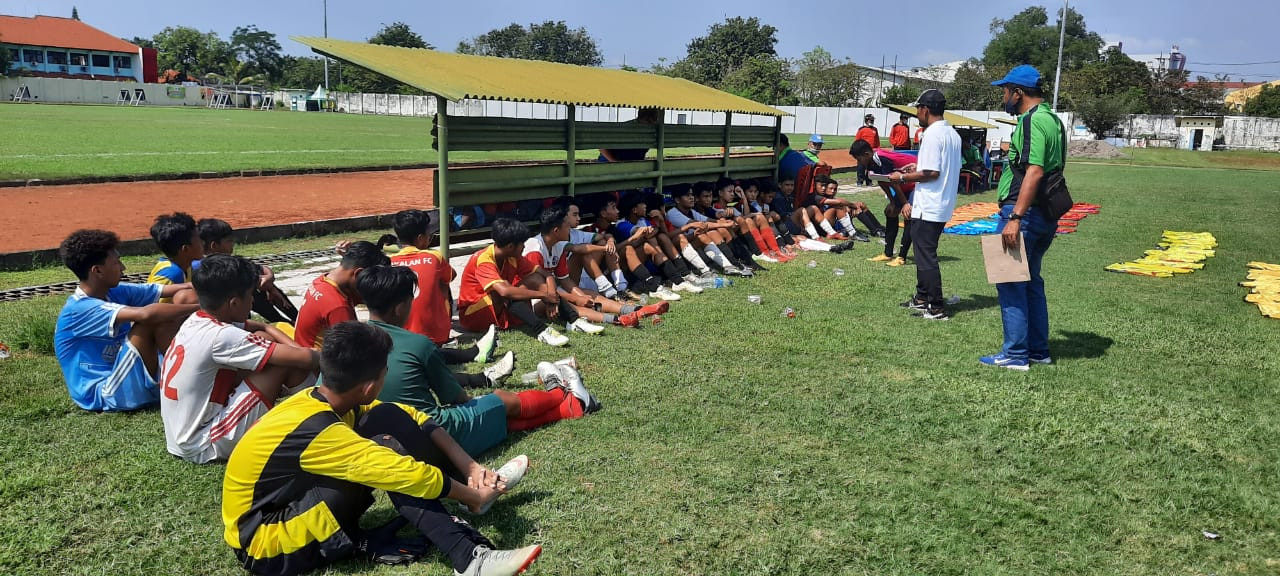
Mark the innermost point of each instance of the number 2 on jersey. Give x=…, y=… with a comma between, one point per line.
x=172, y=362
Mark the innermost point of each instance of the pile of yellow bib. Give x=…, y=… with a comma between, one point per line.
x=1264, y=288
x=1178, y=253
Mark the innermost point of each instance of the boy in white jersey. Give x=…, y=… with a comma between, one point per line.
x=223, y=372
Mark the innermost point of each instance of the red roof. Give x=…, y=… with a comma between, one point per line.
x=1226, y=85
x=56, y=32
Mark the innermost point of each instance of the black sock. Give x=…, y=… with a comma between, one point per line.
x=567, y=312
x=523, y=310
x=890, y=234
x=669, y=270
x=456, y=356
x=750, y=242
x=869, y=220
x=740, y=250
x=682, y=267
x=472, y=380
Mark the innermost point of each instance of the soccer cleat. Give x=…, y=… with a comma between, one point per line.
x=511, y=473
x=896, y=262
x=859, y=236
x=653, y=309
x=550, y=376
x=1040, y=358
x=765, y=258
x=628, y=297
x=1002, y=361
x=486, y=345
x=914, y=304
x=501, y=369
x=382, y=546
x=551, y=337
x=631, y=320
x=573, y=381
x=488, y=562
x=664, y=293
x=934, y=313
x=687, y=286
x=879, y=258
x=585, y=326
x=837, y=236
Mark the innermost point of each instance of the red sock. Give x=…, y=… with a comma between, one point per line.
x=567, y=407
x=771, y=241
x=759, y=238
x=535, y=402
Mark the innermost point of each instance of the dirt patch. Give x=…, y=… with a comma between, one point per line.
x=40, y=217
x=1093, y=149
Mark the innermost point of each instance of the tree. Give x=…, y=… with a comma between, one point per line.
x=903, y=94
x=359, y=79
x=237, y=72
x=821, y=80
x=1204, y=96
x=765, y=79
x=75, y=14
x=1101, y=114
x=191, y=52
x=551, y=41
x=301, y=72
x=726, y=47
x=1029, y=38
x=1114, y=74
x=971, y=88
x=1266, y=103
x=1165, y=94
x=258, y=49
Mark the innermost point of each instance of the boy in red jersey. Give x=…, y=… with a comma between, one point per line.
x=332, y=298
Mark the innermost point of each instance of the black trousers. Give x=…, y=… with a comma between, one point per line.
x=388, y=426
x=924, y=237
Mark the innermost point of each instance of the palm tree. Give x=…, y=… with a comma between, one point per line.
x=236, y=73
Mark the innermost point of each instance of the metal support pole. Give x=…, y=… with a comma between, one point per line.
x=442, y=171
x=571, y=148
x=326, y=35
x=777, y=146
x=728, y=122
x=662, y=148
x=1062, y=35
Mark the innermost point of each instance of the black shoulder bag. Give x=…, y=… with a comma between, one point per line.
x=1052, y=198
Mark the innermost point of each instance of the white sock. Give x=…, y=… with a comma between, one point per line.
x=605, y=287
x=619, y=280
x=810, y=230
x=691, y=255
x=713, y=252
x=826, y=227
x=848, y=224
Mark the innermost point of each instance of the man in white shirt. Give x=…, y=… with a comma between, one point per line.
x=938, y=176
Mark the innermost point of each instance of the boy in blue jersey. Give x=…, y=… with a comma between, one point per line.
x=178, y=238
x=109, y=335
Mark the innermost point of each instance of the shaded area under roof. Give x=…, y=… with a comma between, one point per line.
x=461, y=76
x=953, y=119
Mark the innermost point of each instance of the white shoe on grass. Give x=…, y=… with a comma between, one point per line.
x=552, y=337
x=550, y=377
x=498, y=371
x=511, y=473
x=488, y=562
x=687, y=286
x=487, y=345
x=573, y=383
x=584, y=325
x=665, y=293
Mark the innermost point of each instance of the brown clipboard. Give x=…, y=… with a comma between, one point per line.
x=1004, y=265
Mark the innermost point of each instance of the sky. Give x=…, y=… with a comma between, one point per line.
x=922, y=33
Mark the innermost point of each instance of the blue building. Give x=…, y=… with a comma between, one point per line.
x=53, y=47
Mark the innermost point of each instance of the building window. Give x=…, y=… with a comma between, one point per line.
x=101, y=61
x=123, y=61
x=59, y=58
x=14, y=57
x=78, y=59
x=33, y=56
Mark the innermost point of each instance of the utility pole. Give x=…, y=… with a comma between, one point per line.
x=1062, y=35
x=880, y=89
x=326, y=35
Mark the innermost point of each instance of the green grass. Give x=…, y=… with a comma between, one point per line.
x=852, y=439
x=1170, y=157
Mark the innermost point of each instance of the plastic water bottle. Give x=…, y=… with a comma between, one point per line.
x=755, y=299
x=839, y=271
x=789, y=312
x=715, y=282
x=812, y=264
x=531, y=378
x=954, y=299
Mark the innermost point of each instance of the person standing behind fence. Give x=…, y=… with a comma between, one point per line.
x=1035, y=150
x=900, y=134
x=938, y=174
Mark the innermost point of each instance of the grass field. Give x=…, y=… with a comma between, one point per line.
x=852, y=439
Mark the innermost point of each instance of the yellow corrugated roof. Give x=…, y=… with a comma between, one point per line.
x=1240, y=97
x=461, y=76
x=953, y=119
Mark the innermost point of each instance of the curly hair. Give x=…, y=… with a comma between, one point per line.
x=84, y=249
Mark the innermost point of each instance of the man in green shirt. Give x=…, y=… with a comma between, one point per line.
x=417, y=375
x=1035, y=150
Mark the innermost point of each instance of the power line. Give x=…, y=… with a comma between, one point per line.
x=1234, y=63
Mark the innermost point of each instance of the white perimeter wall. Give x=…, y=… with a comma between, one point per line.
x=70, y=91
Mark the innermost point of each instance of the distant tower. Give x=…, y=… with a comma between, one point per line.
x=1177, y=60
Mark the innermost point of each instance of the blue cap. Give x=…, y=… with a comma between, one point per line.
x=816, y=138
x=1024, y=75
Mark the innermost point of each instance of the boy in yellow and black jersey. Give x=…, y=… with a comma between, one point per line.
x=298, y=482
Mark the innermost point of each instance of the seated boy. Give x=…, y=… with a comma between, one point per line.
x=433, y=307
x=268, y=300
x=178, y=239
x=109, y=335
x=222, y=371
x=417, y=375
x=548, y=252
x=501, y=288
x=708, y=236
x=642, y=243
x=299, y=481
x=332, y=297
x=883, y=162
x=705, y=203
x=731, y=205
x=837, y=211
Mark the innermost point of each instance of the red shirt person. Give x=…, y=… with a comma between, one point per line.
x=331, y=299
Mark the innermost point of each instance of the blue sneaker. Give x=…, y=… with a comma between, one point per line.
x=1002, y=361
x=1040, y=358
